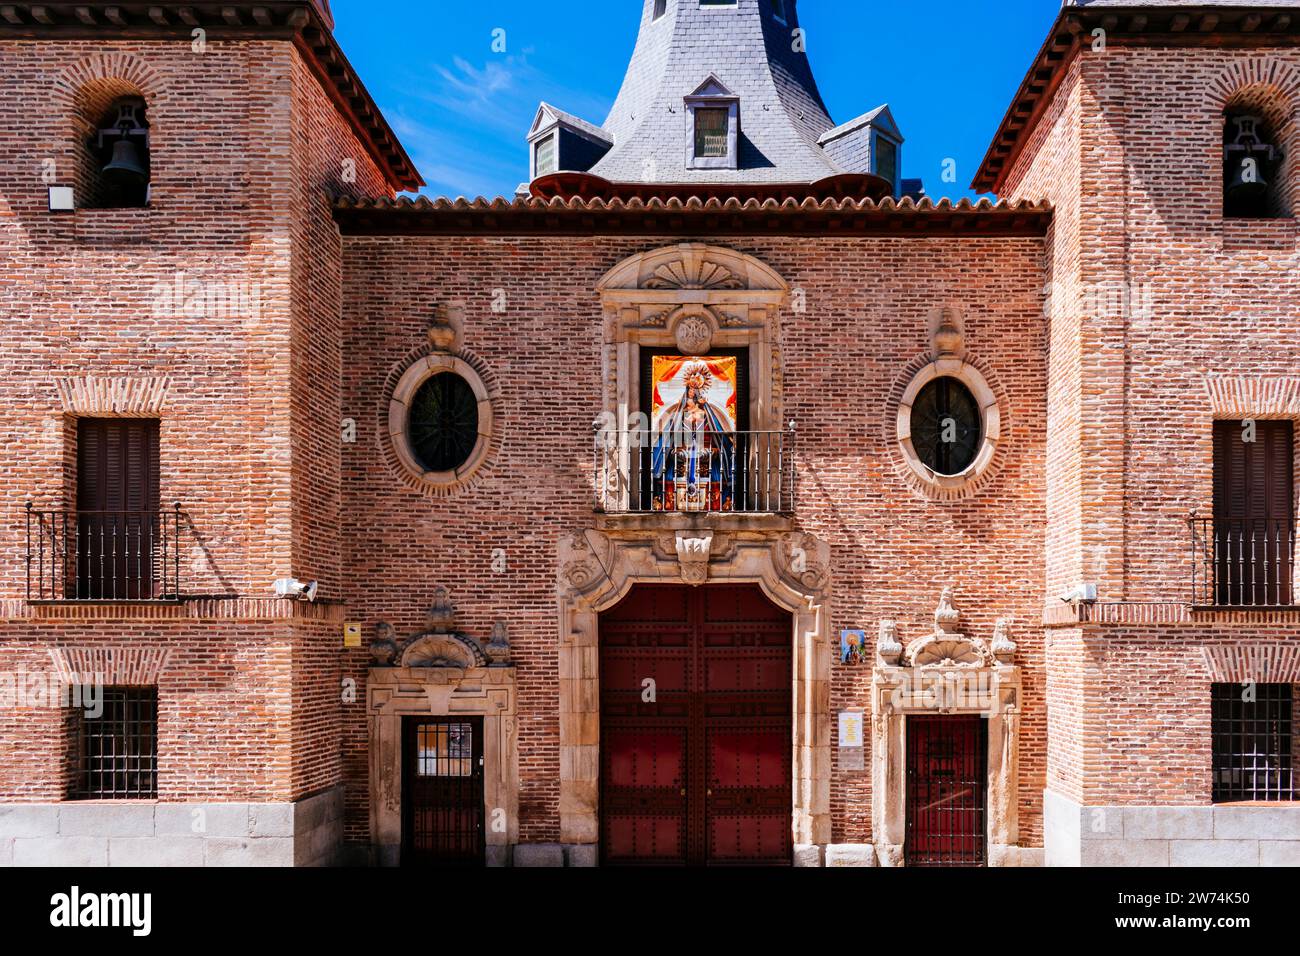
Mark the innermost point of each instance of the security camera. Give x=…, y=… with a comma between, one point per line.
x=293, y=588
x=1081, y=594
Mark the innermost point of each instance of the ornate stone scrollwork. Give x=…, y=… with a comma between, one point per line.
x=887, y=644
x=691, y=272
x=693, y=555
x=439, y=644
x=947, y=647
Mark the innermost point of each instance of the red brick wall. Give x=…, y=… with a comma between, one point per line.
x=869, y=303
x=245, y=145
x=1130, y=154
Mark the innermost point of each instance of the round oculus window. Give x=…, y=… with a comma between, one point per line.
x=945, y=426
x=442, y=426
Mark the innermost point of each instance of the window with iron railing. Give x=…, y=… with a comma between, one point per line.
x=1252, y=726
x=1244, y=556
x=116, y=544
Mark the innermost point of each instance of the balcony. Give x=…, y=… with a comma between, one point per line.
x=640, y=472
x=1242, y=563
x=103, y=556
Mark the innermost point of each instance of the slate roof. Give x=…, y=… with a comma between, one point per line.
x=751, y=52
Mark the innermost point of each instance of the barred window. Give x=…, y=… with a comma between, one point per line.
x=117, y=749
x=711, y=133
x=1252, y=732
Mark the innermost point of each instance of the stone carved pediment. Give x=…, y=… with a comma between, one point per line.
x=693, y=267
x=444, y=650
x=693, y=273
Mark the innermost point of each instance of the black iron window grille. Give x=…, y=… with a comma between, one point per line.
x=1252, y=730
x=117, y=749
x=445, y=750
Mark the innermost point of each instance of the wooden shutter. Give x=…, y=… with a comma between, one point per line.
x=117, y=525
x=117, y=465
x=1254, y=535
x=1253, y=480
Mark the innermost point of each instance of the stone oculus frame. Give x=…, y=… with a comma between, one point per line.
x=597, y=570
x=694, y=298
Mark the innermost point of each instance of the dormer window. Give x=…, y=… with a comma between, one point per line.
x=711, y=132
x=713, y=127
x=661, y=7
x=544, y=156
x=778, y=10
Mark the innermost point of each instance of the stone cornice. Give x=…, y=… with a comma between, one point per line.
x=1135, y=25
x=307, y=23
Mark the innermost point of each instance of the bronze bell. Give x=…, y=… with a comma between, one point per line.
x=125, y=165
x=1248, y=182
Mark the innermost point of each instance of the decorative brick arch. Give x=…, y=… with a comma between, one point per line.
x=83, y=93
x=103, y=71
x=1255, y=72
x=1270, y=88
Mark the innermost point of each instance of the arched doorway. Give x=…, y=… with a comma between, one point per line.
x=696, y=687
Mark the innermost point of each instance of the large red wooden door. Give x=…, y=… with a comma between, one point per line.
x=696, y=685
x=947, y=781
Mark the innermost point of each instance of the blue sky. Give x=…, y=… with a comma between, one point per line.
x=948, y=70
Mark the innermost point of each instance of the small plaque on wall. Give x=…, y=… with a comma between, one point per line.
x=351, y=635
x=853, y=646
x=851, y=729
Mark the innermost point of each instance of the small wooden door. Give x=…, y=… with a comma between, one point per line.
x=117, y=523
x=947, y=785
x=442, y=791
x=1254, y=539
x=696, y=693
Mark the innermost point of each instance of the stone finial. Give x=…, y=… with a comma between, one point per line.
x=441, y=616
x=383, y=646
x=1003, y=647
x=498, y=648
x=445, y=328
x=948, y=339
x=887, y=644
x=946, y=616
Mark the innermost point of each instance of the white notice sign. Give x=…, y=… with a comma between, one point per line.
x=850, y=728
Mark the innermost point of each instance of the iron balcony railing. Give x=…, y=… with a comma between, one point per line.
x=1240, y=562
x=103, y=555
x=643, y=472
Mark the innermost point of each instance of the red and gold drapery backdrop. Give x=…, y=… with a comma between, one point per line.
x=693, y=420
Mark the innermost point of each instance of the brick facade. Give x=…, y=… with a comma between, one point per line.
x=265, y=725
